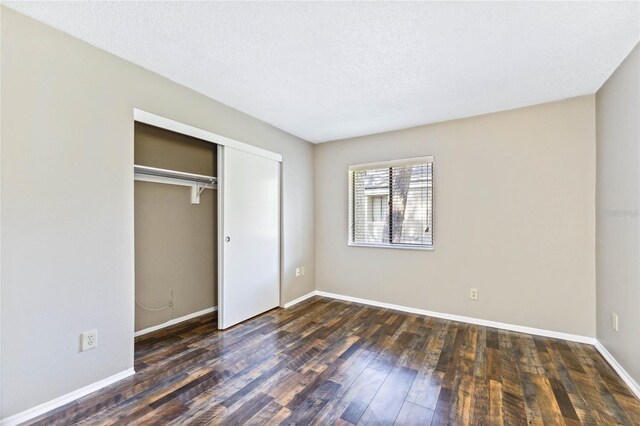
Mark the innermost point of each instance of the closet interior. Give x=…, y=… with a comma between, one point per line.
x=175, y=227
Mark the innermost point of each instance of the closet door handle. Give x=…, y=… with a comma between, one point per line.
x=227, y=239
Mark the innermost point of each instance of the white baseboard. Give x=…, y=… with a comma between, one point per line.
x=469, y=320
x=64, y=399
x=174, y=321
x=626, y=377
x=300, y=299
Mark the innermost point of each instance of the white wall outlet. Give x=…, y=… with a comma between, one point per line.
x=614, y=321
x=302, y=270
x=88, y=340
x=297, y=272
x=473, y=294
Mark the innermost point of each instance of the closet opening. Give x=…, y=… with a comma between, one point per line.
x=175, y=219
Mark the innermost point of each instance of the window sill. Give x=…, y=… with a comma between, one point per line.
x=393, y=246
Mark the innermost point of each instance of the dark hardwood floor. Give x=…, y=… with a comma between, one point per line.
x=331, y=362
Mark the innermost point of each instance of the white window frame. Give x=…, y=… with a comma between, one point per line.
x=382, y=165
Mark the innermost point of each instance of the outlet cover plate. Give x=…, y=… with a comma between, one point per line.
x=473, y=294
x=88, y=340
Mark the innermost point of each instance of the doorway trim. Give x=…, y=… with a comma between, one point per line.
x=146, y=117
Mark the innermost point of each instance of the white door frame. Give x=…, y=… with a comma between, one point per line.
x=175, y=126
x=155, y=120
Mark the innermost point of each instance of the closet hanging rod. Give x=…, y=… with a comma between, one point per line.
x=191, y=177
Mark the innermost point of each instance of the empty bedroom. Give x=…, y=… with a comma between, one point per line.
x=320, y=213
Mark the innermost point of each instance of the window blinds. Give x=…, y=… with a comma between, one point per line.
x=392, y=204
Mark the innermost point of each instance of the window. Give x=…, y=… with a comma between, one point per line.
x=391, y=204
x=379, y=206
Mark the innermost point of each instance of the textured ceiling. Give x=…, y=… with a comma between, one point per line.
x=325, y=71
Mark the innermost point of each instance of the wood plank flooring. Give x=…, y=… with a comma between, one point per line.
x=331, y=362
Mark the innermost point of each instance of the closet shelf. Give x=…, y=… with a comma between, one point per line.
x=173, y=174
x=198, y=183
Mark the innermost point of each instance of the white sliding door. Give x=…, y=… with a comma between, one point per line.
x=249, y=234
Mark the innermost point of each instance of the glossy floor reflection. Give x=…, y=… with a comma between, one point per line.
x=331, y=362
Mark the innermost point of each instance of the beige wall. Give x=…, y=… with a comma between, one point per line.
x=164, y=149
x=514, y=216
x=68, y=204
x=175, y=241
x=618, y=217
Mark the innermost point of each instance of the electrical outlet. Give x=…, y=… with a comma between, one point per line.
x=302, y=270
x=473, y=294
x=297, y=272
x=614, y=321
x=88, y=340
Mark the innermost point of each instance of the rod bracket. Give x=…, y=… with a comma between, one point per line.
x=196, y=190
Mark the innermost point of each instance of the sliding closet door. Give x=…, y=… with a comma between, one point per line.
x=249, y=235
